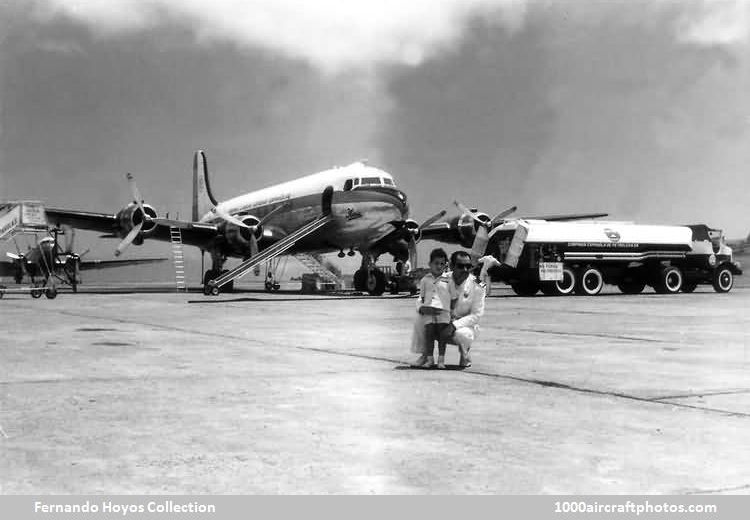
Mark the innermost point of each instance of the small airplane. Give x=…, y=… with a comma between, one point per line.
x=356, y=207
x=48, y=259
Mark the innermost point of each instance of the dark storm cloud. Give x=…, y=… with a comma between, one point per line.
x=590, y=106
x=80, y=111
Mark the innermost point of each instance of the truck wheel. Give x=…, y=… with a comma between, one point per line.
x=723, y=279
x=669, y=281
x=590, y=282
x=567, y=285
x=525, y=288
x=631, y=287
x=563, y=287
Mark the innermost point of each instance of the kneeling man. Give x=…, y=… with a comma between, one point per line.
x=469, y=306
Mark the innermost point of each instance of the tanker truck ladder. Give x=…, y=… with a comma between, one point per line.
x=179, y=258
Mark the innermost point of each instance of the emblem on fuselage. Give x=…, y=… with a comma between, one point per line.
x=613, y=235
x=352, y=214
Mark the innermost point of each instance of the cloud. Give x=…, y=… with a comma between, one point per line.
x=715, y=22
x=331, y=34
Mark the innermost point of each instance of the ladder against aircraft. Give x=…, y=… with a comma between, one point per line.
x=279, y=248
x=314, y=263
x=178, y=258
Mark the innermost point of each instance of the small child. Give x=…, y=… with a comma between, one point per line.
x=435, y=307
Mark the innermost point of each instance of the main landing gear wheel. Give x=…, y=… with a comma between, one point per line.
x=37, y=293
x=375, y=282
x=591, y=282
x=272, y=286
x=723, y=280
x=360, y=280
x=2, y=291
x=669, y=281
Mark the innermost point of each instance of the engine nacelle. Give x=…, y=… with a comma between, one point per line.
x=467, y=227
x=239, y=237
x=131, y=216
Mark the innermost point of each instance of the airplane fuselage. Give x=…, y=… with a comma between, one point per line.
x=364, y=202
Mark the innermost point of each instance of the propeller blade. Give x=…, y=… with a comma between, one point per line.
x=137, y=198
x=128, y=239
x=253, y=245
x=13, y=256
x=412, y=255
x=433, y=219
x=84, y=253
x=70, y=236
x=501, y=216
x=479, y=246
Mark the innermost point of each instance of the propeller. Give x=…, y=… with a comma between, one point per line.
x=416, y=234
x=482, y=236
x=137, y=228
x=224, y=215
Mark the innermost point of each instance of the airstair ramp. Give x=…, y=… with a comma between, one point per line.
x=277, y=249
x=314, y=263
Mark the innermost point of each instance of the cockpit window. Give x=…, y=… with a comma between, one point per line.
x=371, y=180
x=348, y=185
x=387, y=181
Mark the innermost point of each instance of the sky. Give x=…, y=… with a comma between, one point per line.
x=633, y=107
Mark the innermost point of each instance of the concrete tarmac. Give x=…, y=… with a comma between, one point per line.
x=253, y=393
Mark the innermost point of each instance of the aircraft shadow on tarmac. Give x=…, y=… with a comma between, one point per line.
x=296, y=297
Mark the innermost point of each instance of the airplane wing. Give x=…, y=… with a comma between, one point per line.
x=104, y=264
x=193, y=233
x=572, y=216
x=442, y=232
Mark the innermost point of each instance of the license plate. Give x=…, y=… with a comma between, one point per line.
x=550, y=271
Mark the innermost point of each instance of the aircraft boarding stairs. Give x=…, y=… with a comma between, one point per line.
x=279, y=248
x=314, y=263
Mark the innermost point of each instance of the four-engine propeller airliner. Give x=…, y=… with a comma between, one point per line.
x=356, y=207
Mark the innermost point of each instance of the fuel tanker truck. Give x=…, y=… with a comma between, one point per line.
x=564, y=258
